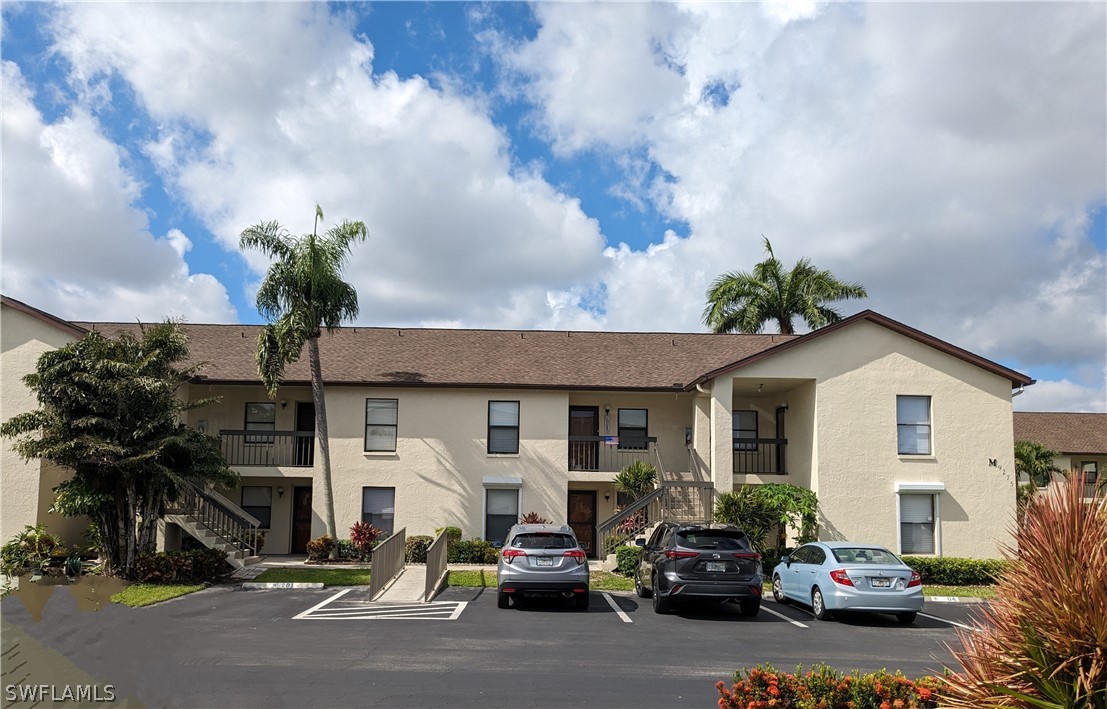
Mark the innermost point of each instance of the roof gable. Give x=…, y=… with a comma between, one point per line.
x=43, y=316
x=1016, y=378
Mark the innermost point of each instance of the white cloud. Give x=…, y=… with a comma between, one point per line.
x=74, y=244
x=945, y=155
x=291, y=114
x=1062, y=395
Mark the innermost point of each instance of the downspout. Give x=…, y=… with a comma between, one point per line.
x=1020, y=390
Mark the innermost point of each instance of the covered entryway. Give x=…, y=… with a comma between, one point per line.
x=582, y=518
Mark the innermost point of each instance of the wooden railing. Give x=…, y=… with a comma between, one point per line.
x=386, y=562
x=760, y=455
x=436, y=566
x=294, y=449
x=608, y=454
x=227, y=520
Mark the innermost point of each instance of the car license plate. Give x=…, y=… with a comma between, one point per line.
x=543, y=561
x=716, y=566
x=881, y=583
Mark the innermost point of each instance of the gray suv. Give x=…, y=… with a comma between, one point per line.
x=542, y=560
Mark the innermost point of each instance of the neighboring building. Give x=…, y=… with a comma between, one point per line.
x=1080, y=440
x=907, y=440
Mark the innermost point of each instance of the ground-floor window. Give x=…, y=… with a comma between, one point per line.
x=501, y=510
x=378, y=508
x=257, y=502
x=917, y=517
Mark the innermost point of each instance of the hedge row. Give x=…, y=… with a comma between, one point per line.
x=182, y=566
x=956, y=571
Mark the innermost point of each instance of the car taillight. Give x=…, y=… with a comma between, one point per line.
x=576, y=554
x=840, y=577
x=747, y=555
x=673, y=554
x=510, y=554
x=916, y=580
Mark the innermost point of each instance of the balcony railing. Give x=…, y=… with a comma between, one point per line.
x=293, y=449
x=608, y=454
x=760, y=455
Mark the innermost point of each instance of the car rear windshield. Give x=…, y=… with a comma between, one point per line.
x=713, y=539
x=543, y=540
x=866, y=555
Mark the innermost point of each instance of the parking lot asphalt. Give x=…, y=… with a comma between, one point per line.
x=227, y=647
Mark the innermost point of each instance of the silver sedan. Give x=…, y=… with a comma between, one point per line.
x=848, y=576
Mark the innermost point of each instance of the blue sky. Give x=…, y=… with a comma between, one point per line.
x=573, y=166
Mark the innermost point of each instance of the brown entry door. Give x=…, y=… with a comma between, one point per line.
x=584, y=421
x=301, y=519
x=582, y=518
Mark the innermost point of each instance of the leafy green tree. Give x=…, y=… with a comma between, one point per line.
x=109, y=412
x=636, y=479
x=302, y=293
x=742, y=301
x=1036, y=462
x=762, y=509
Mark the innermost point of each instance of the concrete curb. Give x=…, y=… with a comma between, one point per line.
x=956, y=599
x=285, y=584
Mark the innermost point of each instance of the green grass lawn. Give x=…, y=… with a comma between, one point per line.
x=963, y=591
x=328, y=577
x=145, y=594
x=473, y=579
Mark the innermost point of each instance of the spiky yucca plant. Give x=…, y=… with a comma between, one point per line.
x=1043, y=641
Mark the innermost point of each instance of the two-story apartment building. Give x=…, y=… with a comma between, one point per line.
x=1079, y=439
x=906, y=439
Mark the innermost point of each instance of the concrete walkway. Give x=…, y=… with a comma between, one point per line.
x=408, y=587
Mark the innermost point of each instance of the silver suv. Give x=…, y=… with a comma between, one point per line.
x=542, y=560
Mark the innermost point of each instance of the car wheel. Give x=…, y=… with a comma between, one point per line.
x=750, y=607
x=502, y=600
x=641, y=590
x=778, y=592
x=906, y=618
x=581, y=602
x=661, y=604
x=818, y=605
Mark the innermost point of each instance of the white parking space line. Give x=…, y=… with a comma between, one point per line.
x=615, y=607
x=320, y=605
x=782, y=616
x=951, y=622
x=373, y=611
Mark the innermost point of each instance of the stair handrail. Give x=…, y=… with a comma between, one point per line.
x=436, y=566
x=386, y=561
x=638, y=505
x=225, y=519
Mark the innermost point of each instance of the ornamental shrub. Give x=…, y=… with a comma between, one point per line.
x=319, y=549
x=533, y=518
x=626, y=560
x=473, y=551
x=823, y=687
x=364, y=536
x=1041, y=641
x=417, y=547
x=182, y=566
x=956, y=571
x=347, y=550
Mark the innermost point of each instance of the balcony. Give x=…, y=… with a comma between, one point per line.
x=764, y=456
x=608, y=454
x=291, y=449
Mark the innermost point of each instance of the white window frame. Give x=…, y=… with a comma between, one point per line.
x=935, y=490
x=498, y=483
x=394, y=426
x=929, y=426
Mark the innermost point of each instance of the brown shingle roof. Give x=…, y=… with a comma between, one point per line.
x=1063, y=432
x=528, y=358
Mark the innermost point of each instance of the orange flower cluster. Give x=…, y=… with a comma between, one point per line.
x=823, y=687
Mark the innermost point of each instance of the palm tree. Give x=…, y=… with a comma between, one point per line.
x=302, y=293
x=744, y=302
x=1036, y=462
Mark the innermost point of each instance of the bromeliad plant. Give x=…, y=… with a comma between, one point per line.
x=1043, y=640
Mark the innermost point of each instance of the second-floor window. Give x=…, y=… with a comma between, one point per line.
x=261, y=416
x=633, y=428
x=380, y=424
x=913, y=424
x=503, y=426
x=745, y=427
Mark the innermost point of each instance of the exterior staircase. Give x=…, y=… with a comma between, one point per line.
x=677, y=498
x=217, y=523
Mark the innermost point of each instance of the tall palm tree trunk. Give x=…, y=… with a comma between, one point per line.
x=324, y=439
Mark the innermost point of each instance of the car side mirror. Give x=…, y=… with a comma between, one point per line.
x=786, y=560
x=639, y=542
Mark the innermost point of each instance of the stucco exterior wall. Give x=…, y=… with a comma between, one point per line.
x=27, y=486
x=859, y=371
